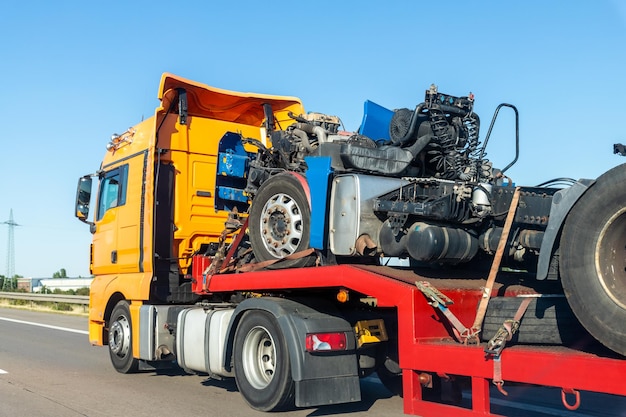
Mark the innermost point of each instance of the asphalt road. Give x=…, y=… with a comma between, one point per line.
x=54, y=371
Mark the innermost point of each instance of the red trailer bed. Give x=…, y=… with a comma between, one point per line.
x=425, y=341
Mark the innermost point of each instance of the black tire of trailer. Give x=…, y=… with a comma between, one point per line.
x=261, y=362
x=593, y=259
x=547, y=320
x=121, y=339
x=280, y=221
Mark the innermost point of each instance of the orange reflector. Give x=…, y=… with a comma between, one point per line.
x=324, y=342
x=342, y=296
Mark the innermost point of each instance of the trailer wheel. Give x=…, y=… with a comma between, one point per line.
x=121, y=341
x=547, y=320
x=280, y=222
x=593, y=259
x=262, y=367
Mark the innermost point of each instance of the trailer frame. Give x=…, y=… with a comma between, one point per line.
x=425, y=342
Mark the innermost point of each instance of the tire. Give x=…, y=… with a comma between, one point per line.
x=547, y=320
x=280, y=222
x=593, y=259
x=121, y=340
x=262, y=366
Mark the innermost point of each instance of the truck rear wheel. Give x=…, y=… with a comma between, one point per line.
x=121, y=340
x=593, y=259
x=262, y=367
x=280, y=222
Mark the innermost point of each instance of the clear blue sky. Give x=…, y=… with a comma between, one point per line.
x=74, y=72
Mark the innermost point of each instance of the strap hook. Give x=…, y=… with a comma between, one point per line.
x=564, y=392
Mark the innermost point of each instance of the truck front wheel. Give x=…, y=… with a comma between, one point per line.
x=121, y=340
x=280, y=222
x=262, y=367
x=593, y=259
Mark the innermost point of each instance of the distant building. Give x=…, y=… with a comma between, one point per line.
x=51, y=284
x=25, y=284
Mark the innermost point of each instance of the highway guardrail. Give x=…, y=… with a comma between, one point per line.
x=51, y=298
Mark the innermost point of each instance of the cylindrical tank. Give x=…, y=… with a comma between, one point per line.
x=390, y=244
x=428, y=243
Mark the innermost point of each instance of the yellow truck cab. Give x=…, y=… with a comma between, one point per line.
x=156, y=204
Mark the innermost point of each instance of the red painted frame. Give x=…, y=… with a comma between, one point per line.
x=424, y=337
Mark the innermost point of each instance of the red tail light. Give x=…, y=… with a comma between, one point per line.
x=324, y=342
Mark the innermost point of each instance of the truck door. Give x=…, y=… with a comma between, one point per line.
x=116, y=241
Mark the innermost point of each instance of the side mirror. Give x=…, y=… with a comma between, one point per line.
x=83, y=197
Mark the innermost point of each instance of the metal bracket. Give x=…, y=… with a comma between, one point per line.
x=437, y=297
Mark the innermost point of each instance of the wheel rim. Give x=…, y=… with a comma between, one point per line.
x=119, y=337
x=259, y=357
x=281, y=225
x=610, y=258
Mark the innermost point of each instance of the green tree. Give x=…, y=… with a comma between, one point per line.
x=60, y=274
x=82, y=291
x=8, y=284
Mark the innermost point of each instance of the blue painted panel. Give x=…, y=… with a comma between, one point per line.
x=318, y=176
x=376, y=120
x=232, y=165
x=231, y=173
x=232, y=194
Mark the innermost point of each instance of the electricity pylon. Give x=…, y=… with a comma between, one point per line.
x=10, y=251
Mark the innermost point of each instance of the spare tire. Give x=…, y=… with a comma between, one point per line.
x=593, y=259
x=547, y=320
x=280, y=222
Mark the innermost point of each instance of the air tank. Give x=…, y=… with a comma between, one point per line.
x=430, y=243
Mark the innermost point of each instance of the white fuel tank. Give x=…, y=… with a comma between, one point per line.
x=201, y=339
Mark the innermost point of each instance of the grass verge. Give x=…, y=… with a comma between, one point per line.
x=63, y=308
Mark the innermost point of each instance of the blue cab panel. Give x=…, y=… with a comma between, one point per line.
x=232, y=194
x=232, y=165
x=376, y=120
x=232, y=172
x=318, y=176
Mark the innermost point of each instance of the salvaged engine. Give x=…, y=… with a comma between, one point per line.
x=438, y=139
x=425, y=191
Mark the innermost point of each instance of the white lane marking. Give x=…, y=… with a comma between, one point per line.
x=65, y=329
x=2, y=371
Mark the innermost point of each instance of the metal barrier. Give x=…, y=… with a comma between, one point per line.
x=51, y=298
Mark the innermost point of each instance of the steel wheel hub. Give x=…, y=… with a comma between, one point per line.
x=259, y=357
x=281, y=225
x=119, y=337
x=611, y=258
